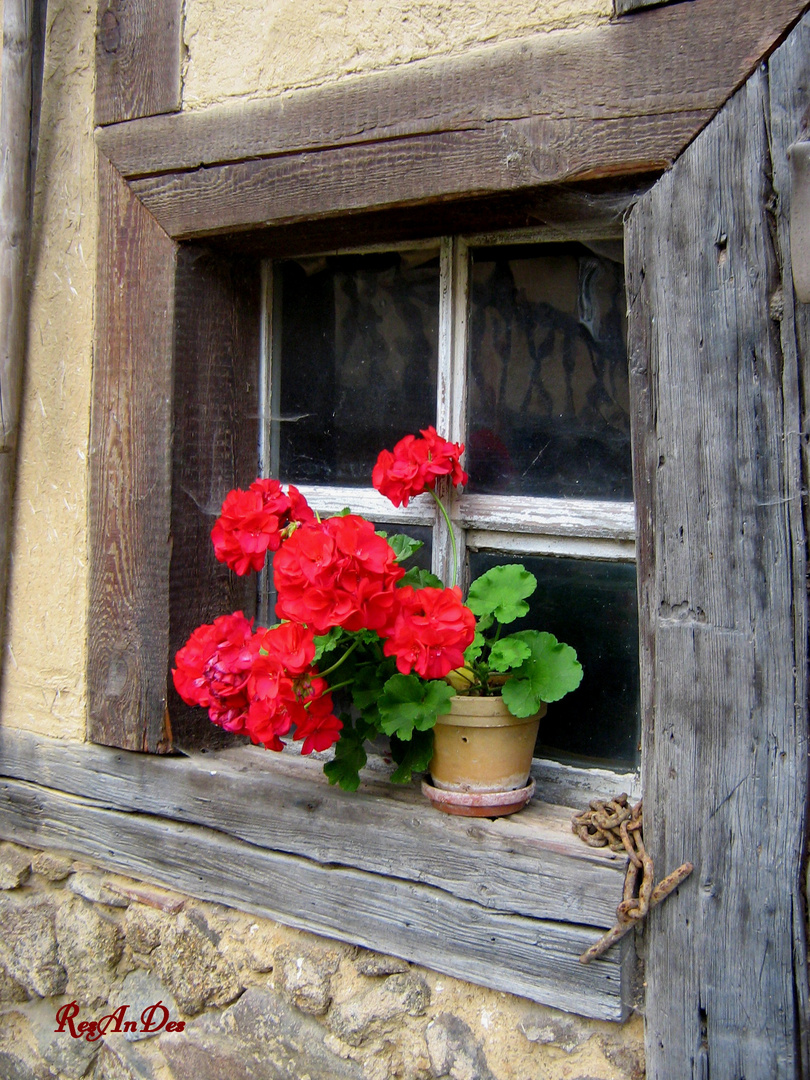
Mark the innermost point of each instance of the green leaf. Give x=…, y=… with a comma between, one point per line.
x=404, y=546
x=409, y=703
x=420, y=579
x=349, y=759
x=367, y=685
x=502, y=592
x=473, y=650
x=411, y=757
x=326, y=643
x=549, y=673
x=508, y=653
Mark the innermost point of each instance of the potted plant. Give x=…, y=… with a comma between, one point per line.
x=367, y=646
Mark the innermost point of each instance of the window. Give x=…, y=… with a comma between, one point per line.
x=514, y=344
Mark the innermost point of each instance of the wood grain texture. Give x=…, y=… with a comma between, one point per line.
x=216, y=435
x=405, y=912
x=588, y=78
x=130, y=474
x=502, y=157
x=137, y=59
x=788, y=82
x=531, y=865
x=721, y=572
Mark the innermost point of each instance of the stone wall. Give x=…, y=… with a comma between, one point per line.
x=216, y=994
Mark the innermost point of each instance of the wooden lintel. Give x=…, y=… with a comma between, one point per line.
x=657, y=67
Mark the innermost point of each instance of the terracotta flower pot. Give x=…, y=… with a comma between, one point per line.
x=479, y=746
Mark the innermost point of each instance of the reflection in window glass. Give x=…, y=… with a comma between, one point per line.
x=423, y=533
x=548, y=381
x=355, y=354
x=592, y=606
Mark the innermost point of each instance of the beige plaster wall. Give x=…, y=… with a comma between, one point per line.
x=44, y=680
x=252, y=49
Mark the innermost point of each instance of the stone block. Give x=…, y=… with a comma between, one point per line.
x=140, y=990
x=372, y=963
x=28, y=948
x=91, y=885
x=259, y=944
x=149, y=895
x=191, y=966
x=15, y=865
x=51, y=866
x=305, y=976
x=550, y=1029
x=11, y=991
x=453, y=1051
x=265, y=1034
x=144, y=927
x=69, y=1058
x=90, y=947
x=122, y=1060
x=19, y=1059
x=398, y=995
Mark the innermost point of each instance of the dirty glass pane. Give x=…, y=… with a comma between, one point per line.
x=354, y=355
x=591, y=606
x=548, y=386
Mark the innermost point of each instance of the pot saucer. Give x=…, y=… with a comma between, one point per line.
x=478, y=804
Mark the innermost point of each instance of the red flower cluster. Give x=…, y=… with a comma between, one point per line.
x=415, y=466
x=337, y=572
x=431, y=631
x=258, y=684
x=252, y=521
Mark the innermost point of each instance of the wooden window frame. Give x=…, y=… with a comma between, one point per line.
x=186, y=203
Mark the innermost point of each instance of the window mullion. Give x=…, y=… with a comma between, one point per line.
x=268, y=431
x=451, y=398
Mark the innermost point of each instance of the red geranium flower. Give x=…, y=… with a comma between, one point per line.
x=252, y=521
x=415, y=466
x=319, y=727
x=431, y=631
x=337, y=572
x=213, y=668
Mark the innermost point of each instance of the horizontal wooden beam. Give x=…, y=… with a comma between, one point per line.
x=558, y=108
x=532, y=865
x=499, y=158
x=268, y=842
x=581, y=76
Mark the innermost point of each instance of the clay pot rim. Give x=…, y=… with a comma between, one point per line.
x=484, y=712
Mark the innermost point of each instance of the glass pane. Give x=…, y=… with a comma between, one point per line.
x=354, y=353
x=424, y=533
x=548, y=382
x=591, y=606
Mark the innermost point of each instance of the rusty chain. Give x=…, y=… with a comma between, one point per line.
x=614, y=823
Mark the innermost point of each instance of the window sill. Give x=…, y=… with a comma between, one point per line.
x=509, y=903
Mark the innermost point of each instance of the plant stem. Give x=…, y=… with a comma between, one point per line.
x=337, y=663
x=339, y=686
x=440, y=505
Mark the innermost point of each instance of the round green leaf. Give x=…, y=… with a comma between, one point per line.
x=502, y=592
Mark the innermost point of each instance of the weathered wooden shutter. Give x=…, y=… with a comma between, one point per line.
x=717, y=348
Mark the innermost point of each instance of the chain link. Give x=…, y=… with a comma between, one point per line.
x=614, y=823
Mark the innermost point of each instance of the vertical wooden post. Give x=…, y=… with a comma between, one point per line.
x=23, y=43
x=715, y=368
